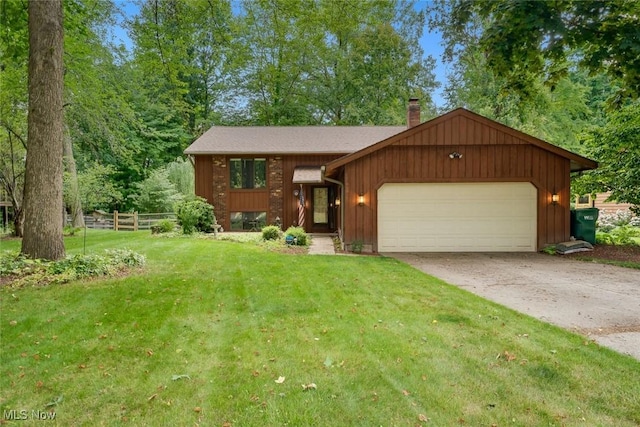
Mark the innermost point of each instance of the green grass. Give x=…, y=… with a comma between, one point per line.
x=202, y=333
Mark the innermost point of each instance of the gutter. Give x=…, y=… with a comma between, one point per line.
x=341, y=184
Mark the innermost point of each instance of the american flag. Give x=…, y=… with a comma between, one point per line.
x=301, y=210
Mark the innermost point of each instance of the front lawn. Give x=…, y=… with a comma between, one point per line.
x=224, y=333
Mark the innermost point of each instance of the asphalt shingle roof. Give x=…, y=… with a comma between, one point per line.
x=290, y=139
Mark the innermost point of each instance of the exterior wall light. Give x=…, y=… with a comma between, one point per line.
x=361, y=200
x=455, y=155
x=555, y=198
x=337, y=202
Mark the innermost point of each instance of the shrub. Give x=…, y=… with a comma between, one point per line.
x=298, y=234
x=603, y=238
x=195, y=215
x=125, y=258
x=156, y=193
x=356, y=246
x=163, y=226
x=41, y=272
x=618, y=236
x=14, y=263
x=623, y=235
x=607, y=221
x=549, y=250
x=80, y=266
x=271, y=232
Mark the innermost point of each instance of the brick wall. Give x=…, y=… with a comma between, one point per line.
x=220, y=185
x=276, y=181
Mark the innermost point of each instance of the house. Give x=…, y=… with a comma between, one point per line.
x=600, y=201
x=459, y=182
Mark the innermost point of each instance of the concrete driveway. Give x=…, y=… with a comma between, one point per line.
x=596, y=300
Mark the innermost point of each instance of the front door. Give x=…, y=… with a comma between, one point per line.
x=322, y=210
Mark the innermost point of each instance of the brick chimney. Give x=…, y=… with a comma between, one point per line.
x=413, y=113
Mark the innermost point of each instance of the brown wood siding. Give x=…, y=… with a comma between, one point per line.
x=488, y=155
x=599, y=202
x=240, y=200
x=204, y=177
x=248, y=200
x=290, y=202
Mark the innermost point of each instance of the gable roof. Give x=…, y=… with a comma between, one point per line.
x=290, y=139
x=577, y=162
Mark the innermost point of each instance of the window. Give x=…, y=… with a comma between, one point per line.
x=320, y=205
x=248, y=173
x=248, y=221
x=584, y=201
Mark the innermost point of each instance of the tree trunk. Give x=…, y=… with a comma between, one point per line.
x=75, y=204
x=43, y=172
x=18, y=215
x=18, y=222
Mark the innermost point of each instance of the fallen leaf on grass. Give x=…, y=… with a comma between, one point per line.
x=509, y=357
x=153, y=396
x=54, y=401
x=180, y=377
x=406, y=392
x=280, y=380
x=423, y=418
x=310, y=386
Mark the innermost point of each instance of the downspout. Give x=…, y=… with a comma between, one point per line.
x=335, y=181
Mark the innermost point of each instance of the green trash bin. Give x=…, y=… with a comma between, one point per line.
x=583, y=224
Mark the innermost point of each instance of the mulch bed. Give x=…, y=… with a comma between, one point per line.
x=611, y=252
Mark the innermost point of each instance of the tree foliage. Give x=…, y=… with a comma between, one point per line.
x=195, y=214
x=181, y=174
x=329, y=62
x=526, y=40
x=616, y=146
x=156, y=193
x=183, y=54
x=14, y=47
x=96, y=188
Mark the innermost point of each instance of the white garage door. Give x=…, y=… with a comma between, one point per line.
x=457, y=217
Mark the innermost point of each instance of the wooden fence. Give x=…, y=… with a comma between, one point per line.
x=124, y=221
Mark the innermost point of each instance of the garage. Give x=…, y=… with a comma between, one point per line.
x=457, y=217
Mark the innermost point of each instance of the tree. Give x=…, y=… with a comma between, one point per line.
x=43, y=171
x=99, y=120
x=181, y=174
x=14, y=46
x=556, y=114
x=616, y=147
x=96, y=188
x=156, y=193
x=12, y=154
x=525, y=40
x=330, y=62
x=183, y=52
